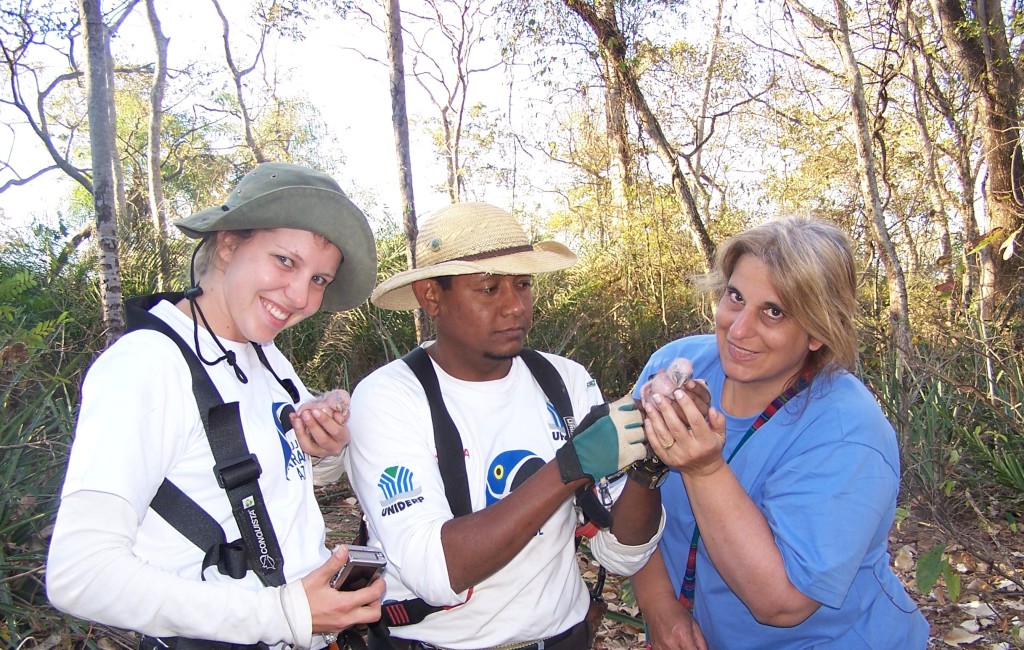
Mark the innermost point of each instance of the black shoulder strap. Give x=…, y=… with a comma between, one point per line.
x=552, y=385
x=450, y=456
x=554, y=389
x=236, y=469
x=451, y=459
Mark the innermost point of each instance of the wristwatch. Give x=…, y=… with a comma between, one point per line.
x=649, y=472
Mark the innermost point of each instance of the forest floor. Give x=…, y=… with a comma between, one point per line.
x=984, y=547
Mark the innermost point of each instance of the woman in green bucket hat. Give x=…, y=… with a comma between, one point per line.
x=147, y=537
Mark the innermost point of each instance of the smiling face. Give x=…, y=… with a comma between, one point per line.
x=260, y=285
x=482, y=321
x=762, y=347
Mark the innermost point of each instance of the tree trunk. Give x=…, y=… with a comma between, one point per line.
x=899, y=310
x=117, y=170
x=933, y=185
x=400, y=125
x=451, y=154
x=899, y=320
x=961, y=152
x=613, y=45
x=984, y=56
x=700, y=125
x=620, y=159
x=237, y=74
x=34, y=110
x=100, y=96
x=157, y=207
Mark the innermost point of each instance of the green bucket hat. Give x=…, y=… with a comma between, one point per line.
x=283, y=195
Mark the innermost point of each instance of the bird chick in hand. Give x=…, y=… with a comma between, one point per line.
x=677, y=376
x=666, y=382
x=333, y=402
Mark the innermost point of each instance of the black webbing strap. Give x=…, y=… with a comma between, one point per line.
x=196, y=525
x=586, y=498
x=178, y=643
x=554, y=389
x=451, y=459
x=450, y=456
x=551, y=383
x=236, y=469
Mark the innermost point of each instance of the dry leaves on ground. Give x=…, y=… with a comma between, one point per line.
x=985, y=550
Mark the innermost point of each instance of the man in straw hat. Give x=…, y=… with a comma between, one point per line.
x=506, y=572
x=158, y=531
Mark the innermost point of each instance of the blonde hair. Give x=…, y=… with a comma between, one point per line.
x=210, y=244
x=810, y=265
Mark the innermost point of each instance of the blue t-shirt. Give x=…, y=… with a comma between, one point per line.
x=824, y=471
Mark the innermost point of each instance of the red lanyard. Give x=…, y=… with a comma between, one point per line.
x=690, y=577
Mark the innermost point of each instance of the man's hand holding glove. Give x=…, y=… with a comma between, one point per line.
x=609, y=439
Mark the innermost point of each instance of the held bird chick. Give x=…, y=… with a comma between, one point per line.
x=665, y=382
x=331, y=401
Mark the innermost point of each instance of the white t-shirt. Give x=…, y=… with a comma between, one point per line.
x=508, y=430
x=138, y=424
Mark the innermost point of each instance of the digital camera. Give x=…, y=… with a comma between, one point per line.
x=365, y=564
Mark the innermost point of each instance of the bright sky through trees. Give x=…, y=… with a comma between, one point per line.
x=325, y=68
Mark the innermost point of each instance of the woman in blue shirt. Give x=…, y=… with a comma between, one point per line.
x=793, y=476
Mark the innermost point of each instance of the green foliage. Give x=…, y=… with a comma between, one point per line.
x=963, y=425
x=929, y=438
x=630, y=291
x=193, y=169
x=23, y=329
x=931, y=565
x=45, y=343
x=1003, y=453
x=34, y=437
x=140, y=261
x=56, y=290
x=11, y=291
x=952, y=579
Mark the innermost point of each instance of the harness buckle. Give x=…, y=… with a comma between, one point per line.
x=237, y=472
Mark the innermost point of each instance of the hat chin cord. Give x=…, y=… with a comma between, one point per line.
x=192, y=294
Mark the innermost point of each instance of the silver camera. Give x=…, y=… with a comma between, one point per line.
x=365, y=564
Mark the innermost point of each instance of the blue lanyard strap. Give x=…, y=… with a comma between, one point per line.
x=689, y=585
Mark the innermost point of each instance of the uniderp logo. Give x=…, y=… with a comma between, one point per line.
x=399, y=490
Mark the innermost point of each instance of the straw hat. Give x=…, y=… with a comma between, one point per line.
x=282, y=195
x=467, y=238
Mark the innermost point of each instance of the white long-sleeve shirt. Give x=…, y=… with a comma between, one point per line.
x=115, y=561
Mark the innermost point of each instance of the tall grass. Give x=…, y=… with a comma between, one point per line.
x=43, y=351
x=959, y=414
x=34, y=436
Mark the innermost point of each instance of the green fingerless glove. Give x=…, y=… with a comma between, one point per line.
x=609, y=439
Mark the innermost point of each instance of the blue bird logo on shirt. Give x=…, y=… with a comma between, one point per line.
x=294, y=457
x=508, y=471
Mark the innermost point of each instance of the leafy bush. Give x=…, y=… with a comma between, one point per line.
x=962, y=424
x=34, y=437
